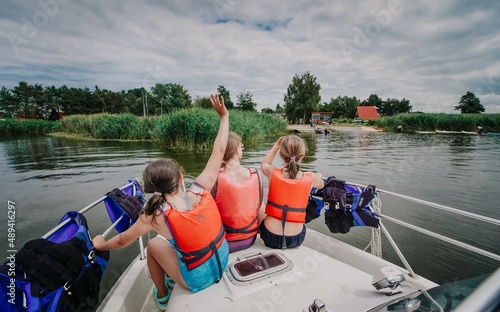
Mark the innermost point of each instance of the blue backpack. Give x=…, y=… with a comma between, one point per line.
x=60, y=273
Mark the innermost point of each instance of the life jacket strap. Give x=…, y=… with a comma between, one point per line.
x=197, y=255
x=288, y=208
x=283, y=222
x=213, y=247
x=247, y=229
x=285, y=209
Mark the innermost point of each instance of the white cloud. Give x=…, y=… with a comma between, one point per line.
x=428, y=52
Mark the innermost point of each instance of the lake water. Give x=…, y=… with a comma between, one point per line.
x=47, y=176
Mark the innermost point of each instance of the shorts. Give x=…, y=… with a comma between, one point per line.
x=241, y=244
x=205, y=274
x=272, y=240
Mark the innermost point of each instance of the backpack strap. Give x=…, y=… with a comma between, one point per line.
x=366, y=196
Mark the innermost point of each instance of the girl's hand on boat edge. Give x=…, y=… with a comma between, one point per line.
x=98, y=242
x=217, y=102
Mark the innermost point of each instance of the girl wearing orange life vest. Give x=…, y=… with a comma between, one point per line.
x=238, y=194
x=193, y=258
x=289, y=189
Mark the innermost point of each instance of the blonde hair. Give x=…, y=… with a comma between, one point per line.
x=292, y=150
x=233, y=141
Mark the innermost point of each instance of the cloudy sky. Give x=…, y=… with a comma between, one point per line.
x=429, y=52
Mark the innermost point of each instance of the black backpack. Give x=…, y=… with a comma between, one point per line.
x=337, y=203
x=60, y=273
x=346, y=205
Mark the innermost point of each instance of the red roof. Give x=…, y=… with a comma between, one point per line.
x=367, y=112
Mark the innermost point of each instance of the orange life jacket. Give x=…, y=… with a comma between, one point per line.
x=198, y=232
x=287, y=199
x=239, y=205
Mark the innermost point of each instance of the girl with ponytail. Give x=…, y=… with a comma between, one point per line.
x=289, y=189
x=190, y=248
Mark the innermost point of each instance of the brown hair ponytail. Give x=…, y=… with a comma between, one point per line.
x=160, y=177
x=292, y=150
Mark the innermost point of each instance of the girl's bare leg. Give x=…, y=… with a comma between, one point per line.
x=162, y=258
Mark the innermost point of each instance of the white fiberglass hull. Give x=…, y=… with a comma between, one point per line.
x=323, y=268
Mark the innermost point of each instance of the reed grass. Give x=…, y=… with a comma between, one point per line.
x=197, y=128
x=38, y=127
x=192, y=129
x=430, y=122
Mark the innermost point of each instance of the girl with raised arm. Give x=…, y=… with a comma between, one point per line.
x=289, y=189
x=190, y=248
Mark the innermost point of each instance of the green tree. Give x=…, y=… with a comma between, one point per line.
x=169, y=97
x=267, y=110
x=40, y=105
x=203, y=102
x=107, y=101
x=245, y=101
x=23, y=96
x=403, y=106
x=79, y=101
x=53, y=97
x=227, y=97
x=279, y=109
x=302, y=97
x=343, y=107
x=8, y=106
x=391, y=107
x=133, y=100
x=469, y=104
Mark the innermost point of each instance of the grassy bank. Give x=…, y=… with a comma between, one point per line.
x=185, y=129
x=15, y=127
x=431, y=122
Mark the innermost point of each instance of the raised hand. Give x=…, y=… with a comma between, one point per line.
x=217, y=102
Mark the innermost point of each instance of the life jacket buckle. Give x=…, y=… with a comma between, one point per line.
x=91, y=254
x=67, y=286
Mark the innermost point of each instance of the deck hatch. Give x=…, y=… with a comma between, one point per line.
x=256, y=266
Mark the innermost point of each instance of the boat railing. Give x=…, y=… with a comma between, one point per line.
x=430, y=233
x=108, y=230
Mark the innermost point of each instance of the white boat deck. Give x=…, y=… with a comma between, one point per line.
x=343, y=283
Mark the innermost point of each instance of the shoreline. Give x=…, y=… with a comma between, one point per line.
x=309, y=129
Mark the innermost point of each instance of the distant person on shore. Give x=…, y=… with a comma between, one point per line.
x=289, y=189
x=238, y=194
x=190, y=247
x=399, y=128
x=479, y=129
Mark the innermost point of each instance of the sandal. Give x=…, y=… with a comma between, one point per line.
x=161, y=302
x=169, y=282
